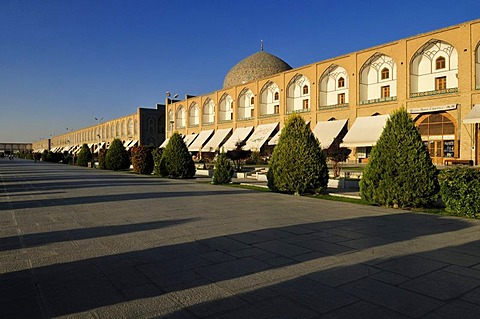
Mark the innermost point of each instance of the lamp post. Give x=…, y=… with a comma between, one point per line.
x=99, y=120
x=169, y=101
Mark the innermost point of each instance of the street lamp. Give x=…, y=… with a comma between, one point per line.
x=168, y=101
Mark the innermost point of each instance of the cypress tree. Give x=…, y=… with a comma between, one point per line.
x=176, y=160
x=84, y=156
x=223, y=170
x=298, y=164
x=400, y=172
x=117, y=157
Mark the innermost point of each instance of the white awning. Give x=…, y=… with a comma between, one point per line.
x=189, y=138
x=125, y=144
x=239, y=135
x=327, y=131
x=214, y=143
x=365, y=131
x=275, y=138
x=260, y=136
x=97, y=147
x=164, y=143
x=132, y=144
x=473, y=116
x=201, y=139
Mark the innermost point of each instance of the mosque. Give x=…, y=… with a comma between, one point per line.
x=346, y=100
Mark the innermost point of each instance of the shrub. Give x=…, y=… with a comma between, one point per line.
x=298, y=164
x=460, y=191
x=157, y=157
x=400, y=172
x=176, y=161
x=101, y=158
x=117, y=157
x=337, y=154
x=142, y=160
x=44, y=155
x=223, y=171
x=84, y=156
x=239, y=155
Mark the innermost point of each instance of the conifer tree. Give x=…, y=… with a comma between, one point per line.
x=298, y=164
x=223, y=170
x=176, y=160
x=400, y=172
x=84, y=156
x=117, y=157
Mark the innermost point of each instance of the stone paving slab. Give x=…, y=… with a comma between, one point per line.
x=85, y=243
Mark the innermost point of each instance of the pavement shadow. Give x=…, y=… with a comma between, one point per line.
x=40, y=239
x=73, y=287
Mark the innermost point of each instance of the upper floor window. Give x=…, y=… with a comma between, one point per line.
x=305, y=89
x=341, y=98
x=385, y=74
x=440, y=83
x=275, y=97
x=385, y=91
x=440, y=63
x=252, y=100
x=341, y=82
x=305, y=104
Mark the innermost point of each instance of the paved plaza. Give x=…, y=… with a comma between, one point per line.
x=86, y=243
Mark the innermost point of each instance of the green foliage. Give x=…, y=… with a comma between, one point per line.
x=102, y=153
x=256, y=159
x=44, y=155
x=460, y=191
x=336, y=155
x=176, y=161
x=117, y=157
x=142, y=160
x=84, y=156
x=157, y=157
x=298, y=164
x=223, y=172
x=400, y=171
x=239, y=155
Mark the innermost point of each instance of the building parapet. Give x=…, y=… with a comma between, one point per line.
x=299, y=111
x=269, y=115
x=246, y=119
x=434, y=92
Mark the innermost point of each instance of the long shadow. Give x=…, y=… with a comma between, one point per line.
x=115, y=198
x=441, y=283
x=74, y=287
x=40, y=239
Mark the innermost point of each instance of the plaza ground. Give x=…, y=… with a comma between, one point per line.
x=85, y=243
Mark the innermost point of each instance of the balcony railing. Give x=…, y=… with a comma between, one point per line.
x=208, y=123
x=245, y=118
x=379, y=100
x=334, y=106
x=225, y=121
x=269, y=115
x=299, y=111
x=434, y=92
x=194, y=125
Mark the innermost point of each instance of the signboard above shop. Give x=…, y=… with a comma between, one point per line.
x=431, y=109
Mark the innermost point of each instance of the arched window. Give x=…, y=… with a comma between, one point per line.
x=269, y=99
x=252, y=100
x=385, y=74
x=225, y=108
x=341, y=82
x=245, y=104
x=208, y=112
x=193, y=115
x=305, y=89
x=438, y=134
x=440, y=63
x=130, y=128
x=180, y=123
x=333, y=87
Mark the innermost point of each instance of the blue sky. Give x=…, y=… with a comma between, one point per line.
x=65, y=62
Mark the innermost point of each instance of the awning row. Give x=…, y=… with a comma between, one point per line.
x=365, y=131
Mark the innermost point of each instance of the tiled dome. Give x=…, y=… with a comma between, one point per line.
x=254, y=67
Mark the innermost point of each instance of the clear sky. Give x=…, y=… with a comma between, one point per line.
x=65, y=62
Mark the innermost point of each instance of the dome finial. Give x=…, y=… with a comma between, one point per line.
x=261, y=44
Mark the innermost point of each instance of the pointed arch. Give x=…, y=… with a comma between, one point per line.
x=434, y=69
x=208, y=115
x=378, y=79
x=193, y=115
x=477, y=67
x=245, y=108
x=225, y=112
x=270, y=99
x=333, y=88
x=297, y=100
x=180, y=118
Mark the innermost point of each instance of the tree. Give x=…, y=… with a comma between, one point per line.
x=142, y=160
x=84, y=156
x=176, y=161
x=239, y=155
x=101, y=158
x=223, y=171
x=337, y=154
x=298, y=164
x=400, y=172
x=117, y=157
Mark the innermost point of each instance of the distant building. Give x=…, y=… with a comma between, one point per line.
x=347, y=99
x=145, y=127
